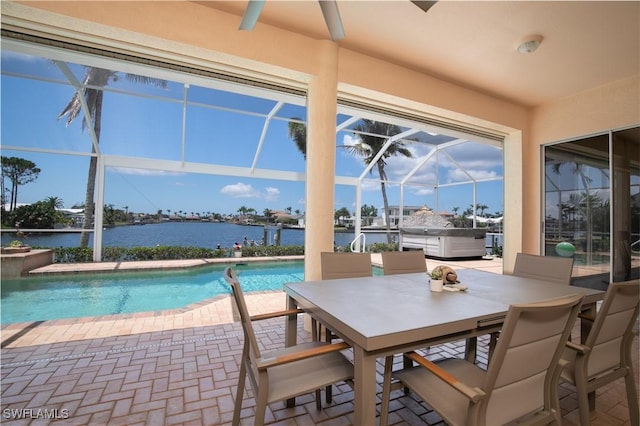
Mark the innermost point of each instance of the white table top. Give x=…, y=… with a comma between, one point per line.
x=382, y=312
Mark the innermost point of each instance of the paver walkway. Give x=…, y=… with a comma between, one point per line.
x=182, y=368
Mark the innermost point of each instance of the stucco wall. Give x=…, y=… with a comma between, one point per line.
x=202, y=35
x=613, y=106
x=195, y=25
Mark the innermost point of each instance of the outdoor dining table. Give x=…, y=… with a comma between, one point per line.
x=385, y=315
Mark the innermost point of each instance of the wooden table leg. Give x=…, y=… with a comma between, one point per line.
x=291, y=336
x=364, y=405
x=470, y=349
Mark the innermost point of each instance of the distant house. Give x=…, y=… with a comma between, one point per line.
x=75, y=215
x=394, y=213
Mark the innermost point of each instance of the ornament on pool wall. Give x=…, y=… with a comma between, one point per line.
x=565, y=249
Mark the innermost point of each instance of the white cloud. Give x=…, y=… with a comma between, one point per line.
x=370, y=185
x=423, y=191
x=242, y=190
x=350, y=140
x=458, y=175
x=271, y=194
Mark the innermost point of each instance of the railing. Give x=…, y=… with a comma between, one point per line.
x=355, y=244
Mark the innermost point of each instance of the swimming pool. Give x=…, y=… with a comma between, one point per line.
x=73, y=296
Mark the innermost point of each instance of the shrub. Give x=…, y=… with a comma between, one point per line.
x=380, y=247
x=123, y=254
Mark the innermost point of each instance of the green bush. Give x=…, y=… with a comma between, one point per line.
x=72, y=255
x=264, y=251
x=123, y=254
x=380, y=247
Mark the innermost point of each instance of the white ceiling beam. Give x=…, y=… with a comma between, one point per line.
x=265, y=128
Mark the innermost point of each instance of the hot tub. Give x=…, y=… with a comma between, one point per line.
x=445, y=243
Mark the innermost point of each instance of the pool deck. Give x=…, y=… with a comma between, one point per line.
x=181, y=366
x=207, y=312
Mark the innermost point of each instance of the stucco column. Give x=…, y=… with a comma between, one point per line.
x=321, y=153
x=515, y=218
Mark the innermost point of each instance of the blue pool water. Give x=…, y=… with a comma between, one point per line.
x=73, y=296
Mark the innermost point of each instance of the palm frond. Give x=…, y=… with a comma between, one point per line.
x=298, y=133
x=71, y=110
x=157, y=82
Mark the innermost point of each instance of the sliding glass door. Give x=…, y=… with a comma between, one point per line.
x=592, y=205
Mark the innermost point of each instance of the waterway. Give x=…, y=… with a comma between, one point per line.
x=196, y=234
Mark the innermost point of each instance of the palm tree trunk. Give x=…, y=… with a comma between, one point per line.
x=383, y=178
x=91, y=178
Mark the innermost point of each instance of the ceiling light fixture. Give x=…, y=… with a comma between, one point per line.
x=530, y=44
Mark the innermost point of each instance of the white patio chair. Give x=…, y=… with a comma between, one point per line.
x=345, y=265
x=520, y=384
x=282, y=374
x=335, y=265
x=546, y=268
x=606, y=354
x=403, y=262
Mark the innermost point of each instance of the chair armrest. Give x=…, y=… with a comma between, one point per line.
x=275, y=314
x=586, y=317
x=581, y=349
x=303, y=354
x=474, y=394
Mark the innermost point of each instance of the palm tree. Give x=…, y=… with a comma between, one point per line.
x=54, y=202
x=482, y=208
x=579, y=169
x=95, y=79
x=243, y=212
x=370, y=145
x=298, y=133
x=369, y=212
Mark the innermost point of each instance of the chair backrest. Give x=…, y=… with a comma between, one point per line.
x=403, y=262
x=548, y=268
x=249, y=335
x=345, y=265
x=526, y=359
x=611, y=334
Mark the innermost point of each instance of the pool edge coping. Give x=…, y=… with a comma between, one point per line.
x=141, y=266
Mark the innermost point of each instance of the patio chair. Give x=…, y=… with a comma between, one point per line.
x=547, y=268
x=334, y=266
x=282, y=374
x=606, y=354
x=520, y=384
x=345, y=265
x=403, y=262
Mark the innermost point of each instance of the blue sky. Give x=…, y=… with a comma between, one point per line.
x=149, y=123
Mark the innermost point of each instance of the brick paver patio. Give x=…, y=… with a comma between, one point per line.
x=182, y=368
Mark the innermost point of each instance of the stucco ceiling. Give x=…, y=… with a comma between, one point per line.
x=586, y=43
